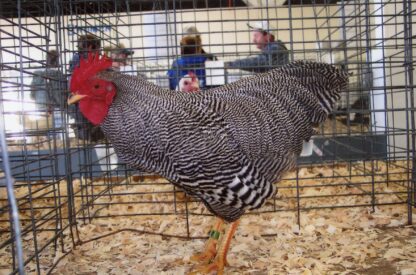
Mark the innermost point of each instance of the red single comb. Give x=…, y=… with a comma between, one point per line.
x=192, y=74
x=88, y=67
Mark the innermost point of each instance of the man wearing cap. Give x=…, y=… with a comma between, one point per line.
x=119, y=55
x=273, y=53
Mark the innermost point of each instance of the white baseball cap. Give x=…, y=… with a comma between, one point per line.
x=191, y=30
x=262, y=25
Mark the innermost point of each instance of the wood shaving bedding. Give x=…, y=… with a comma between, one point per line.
x=344, y=240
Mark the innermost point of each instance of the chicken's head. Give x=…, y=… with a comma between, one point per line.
x=95, y=95
x=189, y=83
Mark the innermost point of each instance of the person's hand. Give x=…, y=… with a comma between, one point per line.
x=116, y=64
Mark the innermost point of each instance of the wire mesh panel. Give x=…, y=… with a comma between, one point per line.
x=33, y=89
x=71, y=186
x=12, y=252
x=365, y=39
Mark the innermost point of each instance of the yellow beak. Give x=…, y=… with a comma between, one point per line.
x=75, y=98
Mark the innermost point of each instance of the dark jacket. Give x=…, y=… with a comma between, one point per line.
x=49, y=89
x=275, y=54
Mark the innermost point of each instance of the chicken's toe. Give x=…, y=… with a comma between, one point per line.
x=208, y=255
x=217, y=266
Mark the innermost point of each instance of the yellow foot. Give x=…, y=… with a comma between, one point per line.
x=208, y=255
x=216, y=266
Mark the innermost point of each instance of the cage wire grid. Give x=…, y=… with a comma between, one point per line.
x=362, y=157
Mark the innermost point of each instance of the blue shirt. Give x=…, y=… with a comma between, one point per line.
x=181, y=66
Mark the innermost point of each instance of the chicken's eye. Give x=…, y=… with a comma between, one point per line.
x=186, y=83
x=96, y=86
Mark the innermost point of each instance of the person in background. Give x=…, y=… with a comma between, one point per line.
x=48, y=88
x=272, y=53
x=86, y=43
x=191, y=61
x=193, y=31
x=119, y=54
x=48, y=84
x=84, y=129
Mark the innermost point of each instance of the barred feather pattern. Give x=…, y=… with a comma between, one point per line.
x=228, y=145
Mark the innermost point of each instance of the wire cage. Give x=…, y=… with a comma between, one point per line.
x=67, y=179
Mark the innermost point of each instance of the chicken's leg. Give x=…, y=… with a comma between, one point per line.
x=221, y=259
x=211, y=244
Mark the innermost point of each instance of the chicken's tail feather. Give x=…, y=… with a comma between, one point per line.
x=325, y=81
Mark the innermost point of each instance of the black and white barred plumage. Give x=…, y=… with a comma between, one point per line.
x=226, y=145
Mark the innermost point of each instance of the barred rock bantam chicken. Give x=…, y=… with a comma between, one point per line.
x=226, y=146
